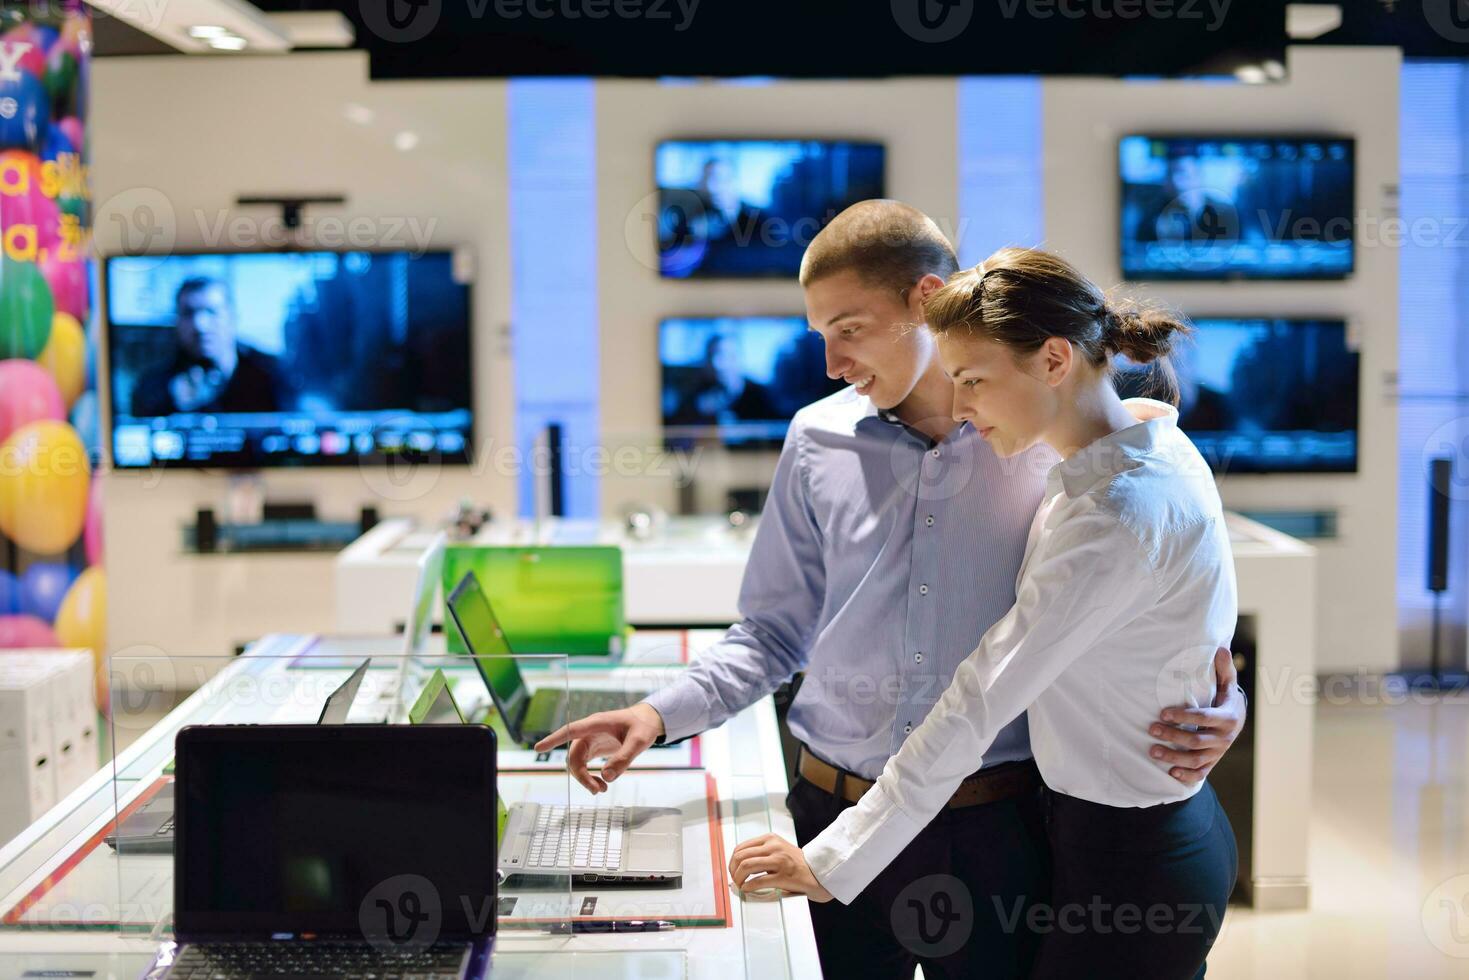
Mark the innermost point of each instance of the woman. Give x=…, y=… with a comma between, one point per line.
x=1126, y=590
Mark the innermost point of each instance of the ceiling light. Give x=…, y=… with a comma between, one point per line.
x=406, y=140
x=228, y=42
x=207, y=30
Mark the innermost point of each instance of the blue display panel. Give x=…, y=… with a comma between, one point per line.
x=748, y=208
x=1265, y=395
x=303, y=358
x=739, y=380
x=1225, y=208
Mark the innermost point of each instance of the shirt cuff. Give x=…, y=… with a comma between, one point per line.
x=681, y=705
x=859, y=844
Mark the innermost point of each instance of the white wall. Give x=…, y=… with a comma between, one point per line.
x=199, y=131
x=1341, y=90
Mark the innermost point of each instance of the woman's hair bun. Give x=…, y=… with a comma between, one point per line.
x=1141, y=333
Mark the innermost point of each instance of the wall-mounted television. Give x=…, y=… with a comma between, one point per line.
x=748, y=208
x=258, y=359
x=1260, y=207
x=1262, y=395
x=738, y=380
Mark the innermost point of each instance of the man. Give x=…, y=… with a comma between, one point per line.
x=211, y=371
x=880, y=501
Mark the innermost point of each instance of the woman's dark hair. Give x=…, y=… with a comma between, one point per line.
x=1021, y=297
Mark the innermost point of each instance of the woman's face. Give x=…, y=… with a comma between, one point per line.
x=1009, y=399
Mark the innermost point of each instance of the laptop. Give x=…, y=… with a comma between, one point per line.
x=529, y=717
x=297, y=858
x=594, y=845
x=149, y=829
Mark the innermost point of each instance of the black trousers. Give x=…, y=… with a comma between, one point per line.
x=956, y=899
x=1136, y=892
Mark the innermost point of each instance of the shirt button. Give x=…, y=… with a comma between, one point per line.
x=935, y=454
x=923, y=590
x=908, y=729
x=928, y=520
x=918, y=658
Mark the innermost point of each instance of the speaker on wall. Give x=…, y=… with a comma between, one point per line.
x=206, y=532
x=1440, y=475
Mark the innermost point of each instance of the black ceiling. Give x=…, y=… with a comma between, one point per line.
x=808, y=38
x=858, y=38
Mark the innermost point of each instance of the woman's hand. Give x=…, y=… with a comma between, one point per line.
x=769, y=861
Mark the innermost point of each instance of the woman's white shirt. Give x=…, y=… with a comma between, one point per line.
x=1126, y=591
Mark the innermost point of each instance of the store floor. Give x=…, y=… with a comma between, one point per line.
x=1389, y=858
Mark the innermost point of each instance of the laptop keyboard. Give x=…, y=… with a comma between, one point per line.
x=239, y=961
x=578, y=837
x=579, y=704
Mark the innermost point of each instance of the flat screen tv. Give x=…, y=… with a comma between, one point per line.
x=739, y=209
x=738, y=380
x=1209, y=207
x=1265, y=395
x=259, y=359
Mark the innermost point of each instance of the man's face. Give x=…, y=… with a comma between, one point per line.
x=204, y=323
x=874, y=338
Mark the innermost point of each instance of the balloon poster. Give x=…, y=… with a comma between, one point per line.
x=53, y=590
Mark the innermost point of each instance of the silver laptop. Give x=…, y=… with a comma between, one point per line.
x=593, y=845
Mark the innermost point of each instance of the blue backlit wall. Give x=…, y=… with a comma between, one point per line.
x=1433, y=352
x=1000, y=197
x=553, y=241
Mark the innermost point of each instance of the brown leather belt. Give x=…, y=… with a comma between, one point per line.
x=1002, y=782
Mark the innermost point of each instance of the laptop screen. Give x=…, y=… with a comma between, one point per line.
x=471, y=613
x=287, y=830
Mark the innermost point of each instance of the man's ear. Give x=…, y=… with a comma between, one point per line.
x=920, y=291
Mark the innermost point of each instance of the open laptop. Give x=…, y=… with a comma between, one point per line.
x=297, y=858
x=529, y=717
x=594, y=845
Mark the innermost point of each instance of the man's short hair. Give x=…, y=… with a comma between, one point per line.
x=888, y=244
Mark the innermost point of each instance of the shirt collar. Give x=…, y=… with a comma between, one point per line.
x=1111, y=454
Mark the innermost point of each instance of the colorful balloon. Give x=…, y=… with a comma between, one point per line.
x=9, y=594
x=25, y=309
x=61, y=75
x=43, y=586
x=25, y=111
x=28, y=394
x=92, y=532
x=82, y=622
x=44, y=480
x=65, y=356
x=68, y=281
x=56, y=143
x=20, y=632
